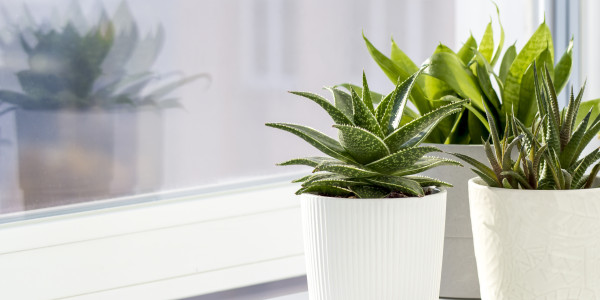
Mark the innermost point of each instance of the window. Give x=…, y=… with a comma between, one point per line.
x=207, y=210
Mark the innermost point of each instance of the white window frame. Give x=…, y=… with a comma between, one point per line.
x=172, y=248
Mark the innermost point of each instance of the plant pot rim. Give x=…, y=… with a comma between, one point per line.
x=478, y=183
x=442, y=191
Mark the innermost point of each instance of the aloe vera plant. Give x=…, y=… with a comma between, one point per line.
x=376, y=155
x=101, y=65
x=469, y=73
x=549, y=153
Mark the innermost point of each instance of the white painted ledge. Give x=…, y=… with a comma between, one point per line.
x=157, y=250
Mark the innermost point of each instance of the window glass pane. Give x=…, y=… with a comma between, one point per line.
x=103, y=99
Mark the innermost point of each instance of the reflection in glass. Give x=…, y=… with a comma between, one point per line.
x=78, y=87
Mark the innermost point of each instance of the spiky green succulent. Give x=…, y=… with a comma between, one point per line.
x=470, y=72
x=377, y=154
x=549, y=153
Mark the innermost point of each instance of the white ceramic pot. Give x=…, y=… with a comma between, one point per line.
x=534, y=245
x=373, y=248
x=459, y=270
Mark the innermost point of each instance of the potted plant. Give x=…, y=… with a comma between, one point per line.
x=536, y=218
x=373, y=228
x=77, y=99
x=469, y=73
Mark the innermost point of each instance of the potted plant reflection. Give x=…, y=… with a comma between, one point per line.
x=79, y=94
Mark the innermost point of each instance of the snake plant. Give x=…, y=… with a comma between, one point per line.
x=549, y=153
x=469, y=74
x=83, y=67
x=376, y=156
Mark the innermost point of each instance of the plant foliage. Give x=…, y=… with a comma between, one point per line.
x=376, y=153
x=469, y=74
x=549, y=153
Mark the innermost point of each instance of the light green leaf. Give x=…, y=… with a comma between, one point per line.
x=527, y=103
x=562, y=70
x=466, y=51
x=507, y=60
x=539, y=41
x=486, y=47
x=449, y=68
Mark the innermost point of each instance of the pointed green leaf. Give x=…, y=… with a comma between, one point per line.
x=319, y=140
x=507, y=60
x=366, y=95
x=501, y=43
x=585, y=163
x=337, y=116
x=393, y=71
x=330, y=191
x=363, y=117
x=375, y=97
x=416, y=131
x=486, y=47
x=539, y=41
x=402, y=60
x=425, y=163
x=562, y=70
x=466, y=51
x=364, y=146
x=343, y=102
x=400, y=160
x=345, y=169
x=307, y=161
x=519, y=178
x=491, y=181
x=395, y=109
x=425, y=181
x=449, y=68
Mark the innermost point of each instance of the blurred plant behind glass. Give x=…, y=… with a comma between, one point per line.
x=76, y=86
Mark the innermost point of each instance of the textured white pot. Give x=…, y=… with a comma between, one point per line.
x=459, y=271
x=534, y=245
x=373, y=248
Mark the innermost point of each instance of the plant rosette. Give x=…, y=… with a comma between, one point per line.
x=384, y=248
x=536, y=244
x=373, y=225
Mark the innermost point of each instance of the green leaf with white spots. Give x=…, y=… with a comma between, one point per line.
x=343, y=102
x=348, y=170
x=400, y=184
x=362, y=145
x=416, y=131
x=425, y=163
x=319, y=140
x=425, y=181
x=331, y=191
x=307, y=161
x=369, y=192
x=395, y=110
x=363, y=117
x=337, y=116
x=400, y=160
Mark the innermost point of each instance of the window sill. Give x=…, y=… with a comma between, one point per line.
x=164, y=249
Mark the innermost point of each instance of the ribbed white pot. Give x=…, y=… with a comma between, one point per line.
x=536, y=245
x=373, y=248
